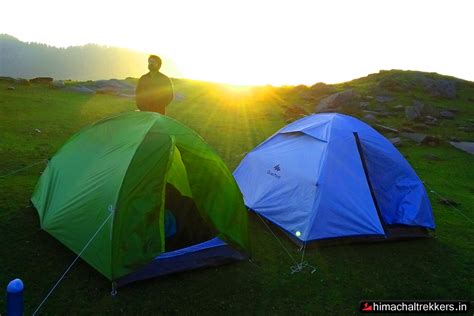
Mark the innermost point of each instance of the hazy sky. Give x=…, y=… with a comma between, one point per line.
x=260, y=42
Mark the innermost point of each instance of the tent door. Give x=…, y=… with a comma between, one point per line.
x=366, y=172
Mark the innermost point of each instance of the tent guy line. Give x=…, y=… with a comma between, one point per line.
x=72, y=264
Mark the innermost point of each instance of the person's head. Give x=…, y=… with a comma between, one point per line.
x=154, y=63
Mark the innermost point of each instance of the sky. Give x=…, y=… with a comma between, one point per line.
x=263, y=42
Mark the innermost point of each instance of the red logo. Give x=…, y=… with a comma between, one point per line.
x=367, y=307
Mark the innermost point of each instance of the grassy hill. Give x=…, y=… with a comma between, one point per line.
x=36, y=120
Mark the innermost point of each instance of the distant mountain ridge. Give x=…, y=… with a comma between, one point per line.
x=87, y=62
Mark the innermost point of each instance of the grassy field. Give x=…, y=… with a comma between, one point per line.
x=35, y=121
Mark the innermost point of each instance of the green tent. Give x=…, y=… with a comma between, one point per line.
x=111, y=179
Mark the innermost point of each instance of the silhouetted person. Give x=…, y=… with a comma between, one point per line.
x=154, y=90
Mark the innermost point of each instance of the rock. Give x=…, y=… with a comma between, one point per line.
x=431, y=157
x=407, y=129
x=448, y=202
x=440, y=87
x=446, y=115
x=383, y=98
x=370, y=117
x=37, y=130
x=364, y=105
x=58, y=84
x=419, y=109
x=399, y=107
x=396, y=141
x=465, y=146
x=370, y=112
x=376, y=113
x=467, y=129
x=335, y=101
x=42, y=80
x=128, y=96
x=422, y=138
x=368, y=97
x=418, y=138
x=415, y=111
x=430, y=120
x=112, y=84
x=178, y=96
x=420, y=127
x=386, y=128
x=384, y=114
x=81, y=89
x=10, y=88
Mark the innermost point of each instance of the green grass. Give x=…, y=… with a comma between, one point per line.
x=233, y=123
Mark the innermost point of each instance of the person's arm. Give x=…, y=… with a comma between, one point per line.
x=169, y=92
x=139, y=93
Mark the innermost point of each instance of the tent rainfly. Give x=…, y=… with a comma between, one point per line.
x=116, y=180
x=331, y=175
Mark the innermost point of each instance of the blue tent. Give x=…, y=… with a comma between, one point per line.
x=331, y=175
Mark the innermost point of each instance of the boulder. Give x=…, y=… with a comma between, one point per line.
x=10, y=88
x=431, y=157
x=467, y=129
x=430, y=120
x=42, y=80
x=370, y=117
x=396, y=141
x=446, y=115
x=178, y=96
x=386, y=128
x=440, y=88
x=421, y=138
x=58, y=84
x=383, y=98
x=407, y=129
x=415, y=111
x=419, y=109
x=420, y=127
x=465, y=146
x=112, y=84
x=448, y=202
x=81, y=89
x=336, y=101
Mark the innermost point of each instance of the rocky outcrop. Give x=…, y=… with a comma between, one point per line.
x=440, y=88
x=336, y=101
